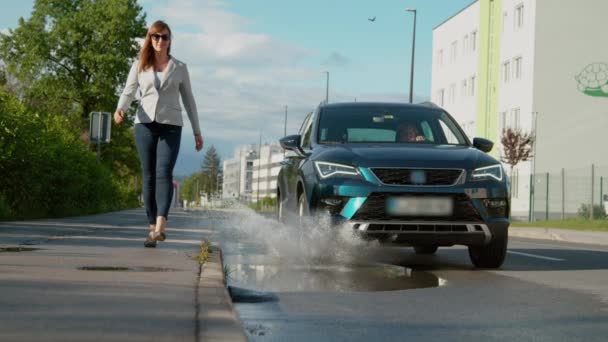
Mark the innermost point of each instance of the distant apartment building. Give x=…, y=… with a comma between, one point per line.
x=265, y=172
x=240, y=174
x=537, y=65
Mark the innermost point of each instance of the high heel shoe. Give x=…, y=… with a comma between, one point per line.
x=160, y=236
x=150, y=241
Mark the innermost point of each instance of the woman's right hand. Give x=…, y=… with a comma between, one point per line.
x=119, y=116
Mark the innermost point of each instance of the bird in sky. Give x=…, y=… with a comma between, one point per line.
x=372, y=19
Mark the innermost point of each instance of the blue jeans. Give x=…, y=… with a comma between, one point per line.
x=158, y=146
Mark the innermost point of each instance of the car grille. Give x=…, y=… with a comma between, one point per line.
x=434, y=177
x=409, y=227
x=373, y=209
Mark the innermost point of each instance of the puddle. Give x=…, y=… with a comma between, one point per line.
x=241, y=295
x=334, y=278
x=125, y=269
x=17, y=249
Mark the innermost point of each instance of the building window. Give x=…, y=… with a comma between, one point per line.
x=506, y=71
x=514, y=119
x=440, y=57
x=502, y=121
x=519, y=16
x=465, y=89
x=453, y=50
x=465, y=44
x=504, y=20
x=517, y=68
x=440, y=96
x=452, y=96
x=473, y=40
x=472, y=85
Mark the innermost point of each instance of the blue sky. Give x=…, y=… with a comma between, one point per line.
x=248, y=59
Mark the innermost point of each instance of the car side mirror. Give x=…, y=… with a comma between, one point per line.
x=292, y=143
x=482, y=144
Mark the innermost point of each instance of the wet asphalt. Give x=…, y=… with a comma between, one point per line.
x=349, y=290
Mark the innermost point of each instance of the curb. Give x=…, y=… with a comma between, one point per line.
x=562, y=235
x=217, y=319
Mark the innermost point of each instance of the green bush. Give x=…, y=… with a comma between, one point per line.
x=48, y=171
x=599, y=212
x=264, y=204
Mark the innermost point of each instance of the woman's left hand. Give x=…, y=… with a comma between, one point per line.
x=198, y=141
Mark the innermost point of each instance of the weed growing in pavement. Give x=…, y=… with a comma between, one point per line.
x=203, y=253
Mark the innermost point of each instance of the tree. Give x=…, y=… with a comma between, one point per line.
x=70, y=56
x=210, y=170
x=517, y=146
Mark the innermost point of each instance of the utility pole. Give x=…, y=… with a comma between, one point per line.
x=285, y=123
x=285, y=129
x=412, y=10
x=327, y=88
x=259, y=167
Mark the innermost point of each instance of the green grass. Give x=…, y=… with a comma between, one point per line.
x=576, y=224
x=203, y=253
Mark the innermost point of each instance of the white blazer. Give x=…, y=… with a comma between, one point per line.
x=161, y=105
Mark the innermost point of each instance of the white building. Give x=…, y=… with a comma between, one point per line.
x=238, y=173
x=265, y=172
x=503, y=63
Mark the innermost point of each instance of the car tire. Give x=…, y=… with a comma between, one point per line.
x=280, y=211
x=425, y=249
x=491, y=255
x=303, y=211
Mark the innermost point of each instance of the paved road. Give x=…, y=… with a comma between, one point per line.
x=323, y=286
x=546, y=291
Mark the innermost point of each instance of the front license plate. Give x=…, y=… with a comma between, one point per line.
x=419, y=206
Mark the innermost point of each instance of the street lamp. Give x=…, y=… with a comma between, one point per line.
x=412, y=10
x=327, y=87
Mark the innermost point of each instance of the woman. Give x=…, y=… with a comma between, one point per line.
x=158, y=124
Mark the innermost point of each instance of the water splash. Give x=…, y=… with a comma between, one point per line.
x=313, y=241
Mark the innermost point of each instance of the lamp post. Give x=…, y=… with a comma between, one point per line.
x=412, y=10
x=285, y=129
x=259, y=169
x=327, y=87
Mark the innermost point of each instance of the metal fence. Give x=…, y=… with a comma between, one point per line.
x=571, y=192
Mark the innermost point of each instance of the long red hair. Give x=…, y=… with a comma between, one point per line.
x=146, y=55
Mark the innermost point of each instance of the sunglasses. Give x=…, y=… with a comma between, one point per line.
x=156, y=37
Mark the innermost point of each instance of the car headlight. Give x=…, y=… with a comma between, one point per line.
x=326, y=170
x=488, y=173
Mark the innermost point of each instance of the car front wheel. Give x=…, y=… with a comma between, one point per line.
x=491, y=255
x=303, y=211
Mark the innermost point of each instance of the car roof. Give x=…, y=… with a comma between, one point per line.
x=423, y=105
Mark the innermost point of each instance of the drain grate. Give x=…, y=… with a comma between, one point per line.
x=17, y=249
x=126, y=269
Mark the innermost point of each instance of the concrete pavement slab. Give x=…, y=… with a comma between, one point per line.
x=159, y=294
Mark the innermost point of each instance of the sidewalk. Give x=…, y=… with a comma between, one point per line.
x=153, y=295
x=560, y=234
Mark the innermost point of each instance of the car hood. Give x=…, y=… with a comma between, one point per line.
x=404, y=155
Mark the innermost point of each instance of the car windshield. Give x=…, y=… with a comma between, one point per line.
x=361, y=124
